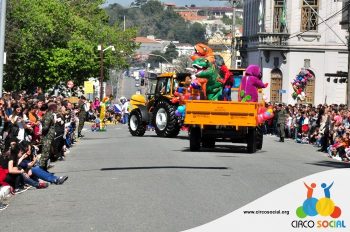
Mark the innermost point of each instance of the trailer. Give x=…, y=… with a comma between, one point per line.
x=223, y=121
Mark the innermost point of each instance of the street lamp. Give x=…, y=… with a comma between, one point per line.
x=163, y=59
x=160, y=57
x=100, y=48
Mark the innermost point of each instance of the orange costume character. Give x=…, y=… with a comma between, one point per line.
x=203, y=51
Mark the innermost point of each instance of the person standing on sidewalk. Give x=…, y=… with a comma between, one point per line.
x=82, y=114
x=125, y=110
x=281, y=121
x=48, y=133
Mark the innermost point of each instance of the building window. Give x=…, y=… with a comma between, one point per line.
x=309, y=19
x=279, y=16
x=276, y=85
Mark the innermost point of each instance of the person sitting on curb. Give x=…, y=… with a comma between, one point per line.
x=9, y=165
x=30, y=163
x=17, y=157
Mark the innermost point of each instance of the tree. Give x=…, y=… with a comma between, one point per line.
x=228, y=20
x=171, y=52
x=138, y=2
x=197, y=33
x=50, y=41
x=152, y=19
x=155, y=58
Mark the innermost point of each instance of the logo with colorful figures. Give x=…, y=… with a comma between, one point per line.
x=324, y=206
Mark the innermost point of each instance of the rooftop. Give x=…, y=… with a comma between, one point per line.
x=145, y=40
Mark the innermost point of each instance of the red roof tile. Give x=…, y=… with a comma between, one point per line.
x=145, y=40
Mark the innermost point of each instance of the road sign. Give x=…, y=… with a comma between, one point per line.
x=281, y=91
x=88, y=87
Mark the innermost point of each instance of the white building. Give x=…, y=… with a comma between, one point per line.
x=184, y=49
x=282, y=36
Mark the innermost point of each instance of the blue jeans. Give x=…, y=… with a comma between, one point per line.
x=125, y=118
x=44, y=175
x=31, y=181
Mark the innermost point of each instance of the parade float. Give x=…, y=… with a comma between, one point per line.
x=200, y=101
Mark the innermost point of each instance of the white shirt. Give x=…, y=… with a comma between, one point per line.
x=20, y=125
x=125, y=108
x=289, y=121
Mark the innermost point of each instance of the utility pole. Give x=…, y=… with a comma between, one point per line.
x=348, y=82
x=233, y=41
x=101, y=73
x=2, y=42
x=124, y=22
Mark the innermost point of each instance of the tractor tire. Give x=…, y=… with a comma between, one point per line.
x=165, y=121
x=195, y=138
x=259, y=138
x=251, y=140
x=136, y=126
x=208, y=142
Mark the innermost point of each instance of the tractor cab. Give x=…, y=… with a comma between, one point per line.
x=158, y=111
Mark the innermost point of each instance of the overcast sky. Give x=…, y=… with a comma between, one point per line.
x=177, y=2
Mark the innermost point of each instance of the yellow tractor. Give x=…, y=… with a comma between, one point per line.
x=157, y=110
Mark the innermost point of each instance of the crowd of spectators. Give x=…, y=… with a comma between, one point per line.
x=326, y=127
x=116, y=111
x=36, y=130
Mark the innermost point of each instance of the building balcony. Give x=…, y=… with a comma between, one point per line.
x=263, y=40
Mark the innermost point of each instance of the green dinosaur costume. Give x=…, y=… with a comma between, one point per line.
x=207, y=70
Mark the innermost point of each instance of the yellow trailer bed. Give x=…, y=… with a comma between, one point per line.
x=221, y=113
x=215, y=121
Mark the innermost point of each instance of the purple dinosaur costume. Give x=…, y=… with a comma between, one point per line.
x=251, y=82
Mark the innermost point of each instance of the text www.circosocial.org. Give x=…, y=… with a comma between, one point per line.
x=264, y=212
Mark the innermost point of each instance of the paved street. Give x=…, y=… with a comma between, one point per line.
x=123, y=183
x=127, y=87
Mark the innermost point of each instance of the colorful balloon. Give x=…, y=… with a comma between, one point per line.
x=299, y=84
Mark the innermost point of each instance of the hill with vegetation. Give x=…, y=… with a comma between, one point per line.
x=152, y=18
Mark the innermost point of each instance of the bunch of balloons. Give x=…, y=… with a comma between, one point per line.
x=300, y=83
x=181, y=110
x=265, y=114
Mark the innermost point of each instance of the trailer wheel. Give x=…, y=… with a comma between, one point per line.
x=251, y=144
x=165, y=120
x=195, y=138
x=136, y=126
x=259, y=138
x=208, y=142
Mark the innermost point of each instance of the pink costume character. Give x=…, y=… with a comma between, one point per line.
x=251, y=82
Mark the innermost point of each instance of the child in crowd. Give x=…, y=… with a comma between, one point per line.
x=333, y=150
x=96, y=126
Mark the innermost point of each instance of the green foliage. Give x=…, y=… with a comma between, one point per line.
x=171, y=52
x=155, y=58
x=138, y=2
x=49, y=41
x=151, y=18
x=228, y=20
